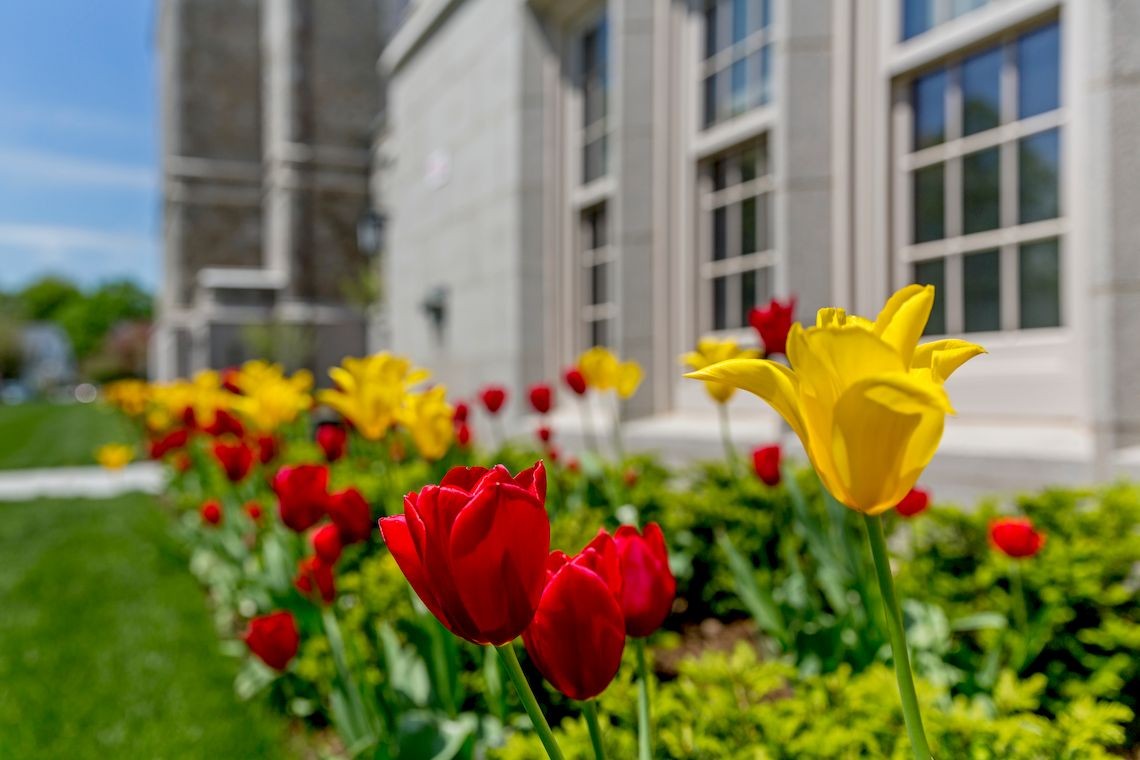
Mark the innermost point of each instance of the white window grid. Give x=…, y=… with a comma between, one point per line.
x=1010, y=234
x=723, y=60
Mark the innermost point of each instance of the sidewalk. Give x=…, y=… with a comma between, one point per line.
x=80, y=482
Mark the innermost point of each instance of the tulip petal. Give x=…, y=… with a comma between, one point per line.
x=533, y=479
x=942, y=357
x=463, y=478
x=886, y=431
x=767, y=379
x=399, y=541
x=499, y=546
x=903, y=318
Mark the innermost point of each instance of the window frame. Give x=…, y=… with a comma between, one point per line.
x=1011, y=234
x=723, y=61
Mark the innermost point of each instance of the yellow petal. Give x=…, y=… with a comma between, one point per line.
x=903, y=318
x=772, y=382
x=629, y=376
x=942, y=357
x=886, y=430
x=827, y=361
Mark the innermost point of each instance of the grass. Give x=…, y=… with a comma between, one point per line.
x=41, y=434
x=107, y=648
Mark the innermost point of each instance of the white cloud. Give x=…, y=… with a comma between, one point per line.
x=86, y=255
x=67, y=119
x=27, y=166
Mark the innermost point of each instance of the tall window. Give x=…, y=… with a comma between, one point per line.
x=595, y=82
x=919, y=16
x=983, y=161
x=737, y=66
x=737, y=268
x=597, y=278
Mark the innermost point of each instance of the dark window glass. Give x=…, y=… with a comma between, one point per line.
x=720, y=174
x=749, y=163
x=720, y=233
x=928, y=94
x=765, y=13
x=981, y=91
x=594, y=159
x=711, y=99
x=765, y=75
x=739, y=82
x=933, y=272
x=917, y=17
x=711, y=21
x=1039, y=268
x=596, y=221
x=763, y=225
x=1038, y=167
x=1039, y=71
x=981, y=290
x=739, y=20
x=929, y=196
x=600, y=333
x=958, y=7
x=748, y=226
x=748, y=295
x=599, y=284
x=720, y=303
x=981, y=196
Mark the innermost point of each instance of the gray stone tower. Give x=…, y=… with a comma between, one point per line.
x=268, y=109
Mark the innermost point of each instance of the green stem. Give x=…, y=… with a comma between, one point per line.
x=1017, y=598
x=644, y=735
x=537, y=719
x=590, y=710
x=726, y=437
x=361, y=719
x=911, y=713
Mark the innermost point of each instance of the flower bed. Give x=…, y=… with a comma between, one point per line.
x=730, y=609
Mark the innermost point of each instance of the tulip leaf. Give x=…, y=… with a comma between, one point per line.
x=758, y=601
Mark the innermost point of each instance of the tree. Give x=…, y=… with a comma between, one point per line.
x=44, y=299
x=87, y=320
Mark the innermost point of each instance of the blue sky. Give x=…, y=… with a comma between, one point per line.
x=78, y=141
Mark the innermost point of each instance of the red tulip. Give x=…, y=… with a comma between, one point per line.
x=189, y=419
x=253, y=510
x=267, y=448
x=333, y=439
x=225, y=424
x=302, y=494
x=545, y=433
x=326, y=543
x=915, y=501
x=493, y=398
x=773, y=323
x=273, y=638
x=211, y=513
x=1016, y=537
x=463, y=435
x=648, y=586
x=462, y=410
x=230, y=377
x=235, y=457
x=172, y=441
x=766, y=462
x=541, y=397
x=474, y=549
x=351, y=515
x=315, y=576
x=575, y=380
x=578, y=633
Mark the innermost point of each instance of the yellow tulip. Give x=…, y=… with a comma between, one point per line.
x=269, y=398
x=370, y=391
x=114, y=456
x=711, y=351
x=865, y=399
x=130, y=396
x=628, y=378
x=428, y=417
x=603, y=371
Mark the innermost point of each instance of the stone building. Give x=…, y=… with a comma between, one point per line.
x=268, y=113
x=639, y=173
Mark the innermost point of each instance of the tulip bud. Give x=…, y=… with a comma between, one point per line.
x=478, y=556
x=915, y=501
x=302, y=494
x=463, y=435
x=462, y=410
x=766, y=462
x=225, y=424
x=273, y=638
x=541, y=397
x=315, y=576
x=577, y=636
x=230, y=376
x=333, y=439
x=1016, y=537
x=351, y=515
x=211, y=513
x=544, y=433
x=236, y=458
x=254, y=511
x=493, y=398
x=772, y=323
x=648, y=586
x=326, y=543
x=267, y=448
x=575, y=380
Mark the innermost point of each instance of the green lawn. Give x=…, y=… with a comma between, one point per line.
x=106, y=645
x=40, y=434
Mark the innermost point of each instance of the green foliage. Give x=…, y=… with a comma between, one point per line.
x=44, y=299
x=733, y=705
